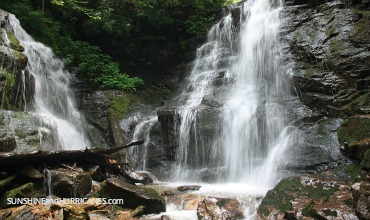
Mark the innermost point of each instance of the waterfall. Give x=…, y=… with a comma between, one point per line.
x=251, y=133
x=142, y=132
x=53, y=99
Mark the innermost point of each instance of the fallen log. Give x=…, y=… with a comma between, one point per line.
x=95, y=155
x=98, y=156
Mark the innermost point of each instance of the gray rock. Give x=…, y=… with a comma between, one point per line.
x=19, y=132
x=132, y=195
x=67, y=183
x=12, y=59
x=165, y=217
x=361, y=196
x=330, y=49
x=189, y=188
x=219, y=209
x=23, y=213
x=29, y=171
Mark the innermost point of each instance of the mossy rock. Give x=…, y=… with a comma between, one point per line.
x=6, y=183
x=24, y=191
x=7, y=144
x=281, y=196
x=14, y=43
x=360, y=104
x=354, y=129
x=7, y=89
x=305, y=196
x=132, y=195
x=119, y=103
x=365, y=163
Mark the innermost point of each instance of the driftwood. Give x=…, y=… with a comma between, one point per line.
x=98, y=156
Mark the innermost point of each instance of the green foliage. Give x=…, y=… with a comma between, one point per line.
x=95, y=66
x=130, y=31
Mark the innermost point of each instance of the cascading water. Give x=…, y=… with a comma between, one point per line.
x=53, y=99
x=142, y=132
x=252, y=127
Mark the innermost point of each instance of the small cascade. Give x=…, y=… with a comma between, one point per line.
x=212, y=62
x=53, y=99
x=142, y=132
x=47, y=183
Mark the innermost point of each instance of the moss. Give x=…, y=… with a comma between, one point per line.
x=265, y=211
x=365, y=163
x=119, y=103
x=354, y=129
x=330, y=31
x=8, y=90
x=309, y=210
x=358, y=103
x=14, y=42
x=362, y=13
x=335, y=47
x=281, y=196
x=310, y=72
x=318, y=192
x=360, y=29
x=355, y=173
x=5, y=183
x=24, y=191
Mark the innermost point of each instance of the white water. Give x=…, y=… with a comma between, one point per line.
x=142, y=132
x=53, y=99
x=254, y=133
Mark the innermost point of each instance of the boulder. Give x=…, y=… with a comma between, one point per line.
x=23, y=212
x=19, y=131
x=68, y=183
x=189, y=188
x=132, y=195
x=13, y=59
x=7, y=144
x=308, y=197
x=361, y=198
x=7, y=182
x=29, y=171
x=354, y=134
x=219, y=209
x=24, y=191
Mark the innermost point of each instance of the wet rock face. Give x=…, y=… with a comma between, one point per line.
x=330, y=47
x=19, y=131
x=94, y=105
x=219, y=209
x=309, y=197
x=16, y=88
x=202, y=134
